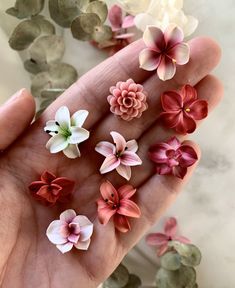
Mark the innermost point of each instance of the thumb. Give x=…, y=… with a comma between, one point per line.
x=15, y=116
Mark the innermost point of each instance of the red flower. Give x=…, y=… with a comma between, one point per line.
x=172, y=158
x=182, y=109
x=52, y=189
x=117, y=203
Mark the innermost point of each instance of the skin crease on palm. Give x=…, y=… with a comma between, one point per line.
x=27, y=258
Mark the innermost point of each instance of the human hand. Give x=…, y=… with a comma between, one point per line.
x=27, y=258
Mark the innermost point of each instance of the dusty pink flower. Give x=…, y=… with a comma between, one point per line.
x=164, y=50
x=120, y=156
x=117, y=204
x=128, y=100
x=71, y=230
x=172, y=157
x=118, y=21
x=182, y=109
x=161, y=239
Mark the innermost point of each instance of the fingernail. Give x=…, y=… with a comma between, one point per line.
x=17, y=95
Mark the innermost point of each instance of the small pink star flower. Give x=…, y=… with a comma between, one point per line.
x=164, y=50
x=120, y=156
x=117, y=204
x=70, y=231
x=161, y=240
x=182, y=109
x=172, y=157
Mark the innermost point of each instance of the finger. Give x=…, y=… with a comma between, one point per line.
x=15, y=116
x=91, y=90
x=154, y=198
x=205, y=55
x=210, y=89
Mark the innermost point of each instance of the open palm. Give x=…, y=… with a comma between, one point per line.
x=27, y=258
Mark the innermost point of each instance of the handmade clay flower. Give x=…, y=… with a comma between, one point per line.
x=182, y=109
x=51, y=189
x=120, y=156
x=117, y=204
x=70, y=231
x=128, y=100
x=172, y=157
x=67, y=132
x=164, y=50
x=117, y=20
x=161, y=240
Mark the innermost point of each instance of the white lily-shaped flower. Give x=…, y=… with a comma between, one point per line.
x=67, y=132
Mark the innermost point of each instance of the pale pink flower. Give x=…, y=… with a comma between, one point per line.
x=120, y=156
x=117, y=204
x=70, y=231
x=161, y=240
x=164, y=50
x=128, y=100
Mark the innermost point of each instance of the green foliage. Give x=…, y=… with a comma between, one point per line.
x=26, y=8
x=171, y=261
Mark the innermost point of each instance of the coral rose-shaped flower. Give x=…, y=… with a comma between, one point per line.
x=182, y=108
x=172, y=157
x=128, y=100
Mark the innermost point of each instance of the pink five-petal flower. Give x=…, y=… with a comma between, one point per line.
x=120, y=156
x=117, y=20
x=172, y=157
x=182, y=108
x=164, y=50
x=117, y=204
x=71, y=230
x=161, y=239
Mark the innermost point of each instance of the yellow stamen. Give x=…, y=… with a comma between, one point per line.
x=187, y=110
x=174, y=61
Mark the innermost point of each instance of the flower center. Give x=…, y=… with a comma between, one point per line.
x=111, y=202
x=128, y=102
x=71, y=228
x=187, y=109
x=65, y=132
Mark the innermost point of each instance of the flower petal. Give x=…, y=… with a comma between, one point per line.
x=185, y=124
x=121, y=223
x=170, y=119
x=154, y=38
x=171, y=101
x=119, y=140
x=126, y=191
x=128, y=22
x=189, y=94
x=182, y=239
x=129, y=208
x=189, y=156
x=157, y=153
x=180, y=53
x=129, y=158
x=124, y=171
x=83, y=245
x=109, y=192
x=110, y=163
x=179, y=171
x=105, y=148
x=170, y=227
x=72, y=151
x=47, y=177
x=104, y=214
x=198, y=109
x=174, y=143
x=57, y=143
x=36, y=185
x=51, y=127
x=149, y=60
x=79, y=118
x=162, y=249
x=54, y=232
x=156, y=239
x=62, y=117
x=115, y=17
x=190, y=26
x=64, y=248
x=78, y=135
x=68, y=215
x=66, y=184
x=132, y=146
x=163, y=169
x=86, y=232
x=167, y=68
x=173, y=35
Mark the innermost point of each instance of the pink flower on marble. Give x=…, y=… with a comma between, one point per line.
x=120, y=156
x=161, y=240
x=128, y=100
x=117, y=204
x=70, y=231
x=182, y=108
x=164, y=50
x=172, y=157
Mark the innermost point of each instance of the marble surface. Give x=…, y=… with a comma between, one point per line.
x=206, y=208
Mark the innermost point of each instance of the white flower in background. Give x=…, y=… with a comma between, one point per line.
x=67, y=132
x=161, y=13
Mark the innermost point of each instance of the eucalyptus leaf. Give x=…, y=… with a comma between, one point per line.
x=171, y=261
x=133, y=282
x=46, y=27
x=99, y=8
x=24, y=34
x=69, y=5
x=185, y=277
x=102, y=34
x=52, y=93
x=33, y=67
x=47, y=49
x=26, y=8
x=118, y=279
x=59, y=75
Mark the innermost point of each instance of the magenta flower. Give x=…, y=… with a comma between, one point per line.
x=172, y=157
x=70, y=231
x=164, y=50
x=120, y=156
x=128, y=100
x=161, y=240
x=182, y=109
x=117, y=204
